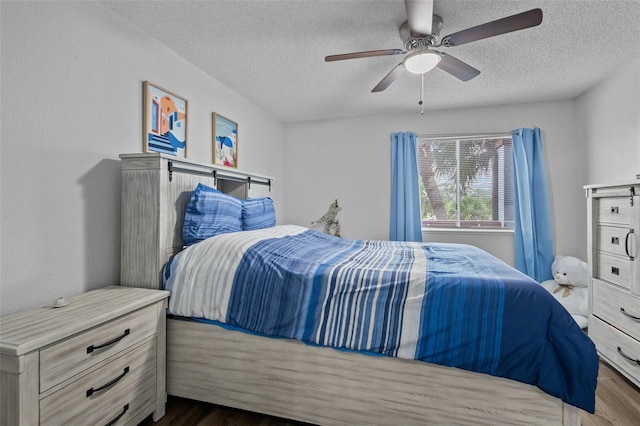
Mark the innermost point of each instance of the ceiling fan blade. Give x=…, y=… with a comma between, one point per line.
x=517, y=22
x=366, y=54
x=420, y=16
x=389, y=78
x=456, y=67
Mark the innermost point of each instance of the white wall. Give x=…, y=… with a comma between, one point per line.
x=349, y=159
x=594, y=139
x=71, y=81
x=609, y=115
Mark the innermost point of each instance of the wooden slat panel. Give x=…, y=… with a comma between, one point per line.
x=176, y=194
x=257, y=191
x=322, y=385
x=140, y=235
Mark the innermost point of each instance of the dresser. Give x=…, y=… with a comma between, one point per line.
x=613, y=214
x=100, y=359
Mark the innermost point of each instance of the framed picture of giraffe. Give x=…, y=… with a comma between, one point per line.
x=164, y=121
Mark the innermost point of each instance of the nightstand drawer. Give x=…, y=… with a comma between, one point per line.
x=102, y=393
x=617, y=307
x=620, y=349
x=614, y=240
x=615, y=210
x=63, y=360
x=614, y=269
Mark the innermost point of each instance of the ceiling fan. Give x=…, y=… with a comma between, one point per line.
x=421, y=36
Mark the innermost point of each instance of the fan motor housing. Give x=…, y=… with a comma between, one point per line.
x=412, y=43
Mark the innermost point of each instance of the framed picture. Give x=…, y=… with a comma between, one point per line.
x=165, y=121
x=225, y=141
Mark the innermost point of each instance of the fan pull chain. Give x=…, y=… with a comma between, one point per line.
x=421, y=94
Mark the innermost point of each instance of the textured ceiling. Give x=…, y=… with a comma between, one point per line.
x=272, y=51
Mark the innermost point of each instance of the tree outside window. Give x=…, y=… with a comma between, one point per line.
x=466, y=182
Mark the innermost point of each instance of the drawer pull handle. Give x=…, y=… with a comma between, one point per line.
x=615, y=270
x=637, y=361
x=626, y=244
x=629, y=315
x=105, y=386
x=614, y=210
x=109, y=343
x=615, y=240
x=124, y=410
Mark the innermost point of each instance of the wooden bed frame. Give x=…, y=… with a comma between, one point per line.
x=287, y=378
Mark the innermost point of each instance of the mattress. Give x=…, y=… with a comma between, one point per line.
x=449, y=304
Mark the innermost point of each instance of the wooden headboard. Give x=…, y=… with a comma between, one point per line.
x=156, y=189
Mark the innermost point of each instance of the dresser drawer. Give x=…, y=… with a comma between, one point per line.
x=101, y=394
x=617, y=307
x=614, y=269
x=69, y=357
x=615, y=210
x=613, y=240
x=617, y=347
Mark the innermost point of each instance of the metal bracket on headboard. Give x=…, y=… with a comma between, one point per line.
x=258, y=182
x=215, y=175
x=172, y=169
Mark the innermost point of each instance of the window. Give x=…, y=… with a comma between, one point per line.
x=466, y=182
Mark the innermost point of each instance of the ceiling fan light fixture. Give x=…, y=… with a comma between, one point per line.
x=421, y=61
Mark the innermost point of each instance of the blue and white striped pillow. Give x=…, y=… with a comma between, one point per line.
x=210, y=212
x=258, y=213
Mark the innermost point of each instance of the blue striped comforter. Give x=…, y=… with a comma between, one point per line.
x=449, y=304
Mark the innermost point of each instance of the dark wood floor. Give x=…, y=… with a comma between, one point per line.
x=617, y=404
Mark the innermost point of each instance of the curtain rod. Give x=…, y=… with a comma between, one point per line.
x=497, y=135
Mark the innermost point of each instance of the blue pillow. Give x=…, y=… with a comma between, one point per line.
x=210, y=212
x=258, y=213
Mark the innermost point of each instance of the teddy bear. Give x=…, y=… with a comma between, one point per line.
x=569, y=287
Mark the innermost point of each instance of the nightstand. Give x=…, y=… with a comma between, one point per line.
x=98, y=360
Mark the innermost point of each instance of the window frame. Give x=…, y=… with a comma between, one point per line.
x=458, y=224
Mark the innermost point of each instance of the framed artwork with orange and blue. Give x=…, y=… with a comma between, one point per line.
x=165, y=121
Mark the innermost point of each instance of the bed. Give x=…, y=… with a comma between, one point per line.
x=230, y=364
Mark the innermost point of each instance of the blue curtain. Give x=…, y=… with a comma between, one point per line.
x=533, y=241
x=406, y=224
